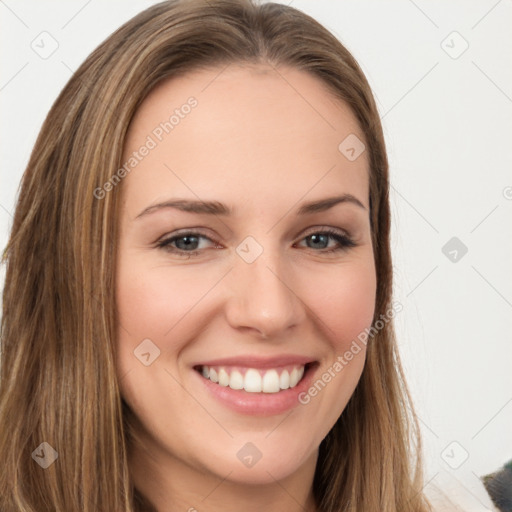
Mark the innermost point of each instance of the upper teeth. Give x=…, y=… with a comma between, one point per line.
x=255, y=381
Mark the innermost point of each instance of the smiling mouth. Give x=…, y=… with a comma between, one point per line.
x=255, y=380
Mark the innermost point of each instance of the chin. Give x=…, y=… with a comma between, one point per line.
x=262, y=461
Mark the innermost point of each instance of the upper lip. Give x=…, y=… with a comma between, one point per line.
x=255, y=361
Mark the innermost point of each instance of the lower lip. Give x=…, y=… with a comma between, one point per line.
x=260, y=404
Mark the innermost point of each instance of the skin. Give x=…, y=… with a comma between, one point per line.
x=263, y=143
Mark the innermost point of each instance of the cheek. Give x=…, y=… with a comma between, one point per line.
x=153, y=303
x=344, y=301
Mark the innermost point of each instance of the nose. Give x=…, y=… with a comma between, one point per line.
x=263, y=297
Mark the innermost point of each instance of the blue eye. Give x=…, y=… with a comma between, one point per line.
x=322, y=237
x=187, y=243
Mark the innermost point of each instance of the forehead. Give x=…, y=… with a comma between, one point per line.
x=251, y=129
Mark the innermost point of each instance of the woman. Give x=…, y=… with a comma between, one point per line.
x=258, y=370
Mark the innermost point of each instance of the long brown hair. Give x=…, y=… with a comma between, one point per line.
x=58, y=382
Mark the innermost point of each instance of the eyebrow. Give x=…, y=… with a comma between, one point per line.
x=218, y=208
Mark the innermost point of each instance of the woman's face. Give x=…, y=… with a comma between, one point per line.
x=245, y=291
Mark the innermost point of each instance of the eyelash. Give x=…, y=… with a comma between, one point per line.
x=344, y=241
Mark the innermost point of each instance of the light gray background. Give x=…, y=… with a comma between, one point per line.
x=448, y=123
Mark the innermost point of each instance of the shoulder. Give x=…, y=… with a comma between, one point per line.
x=448, y=494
